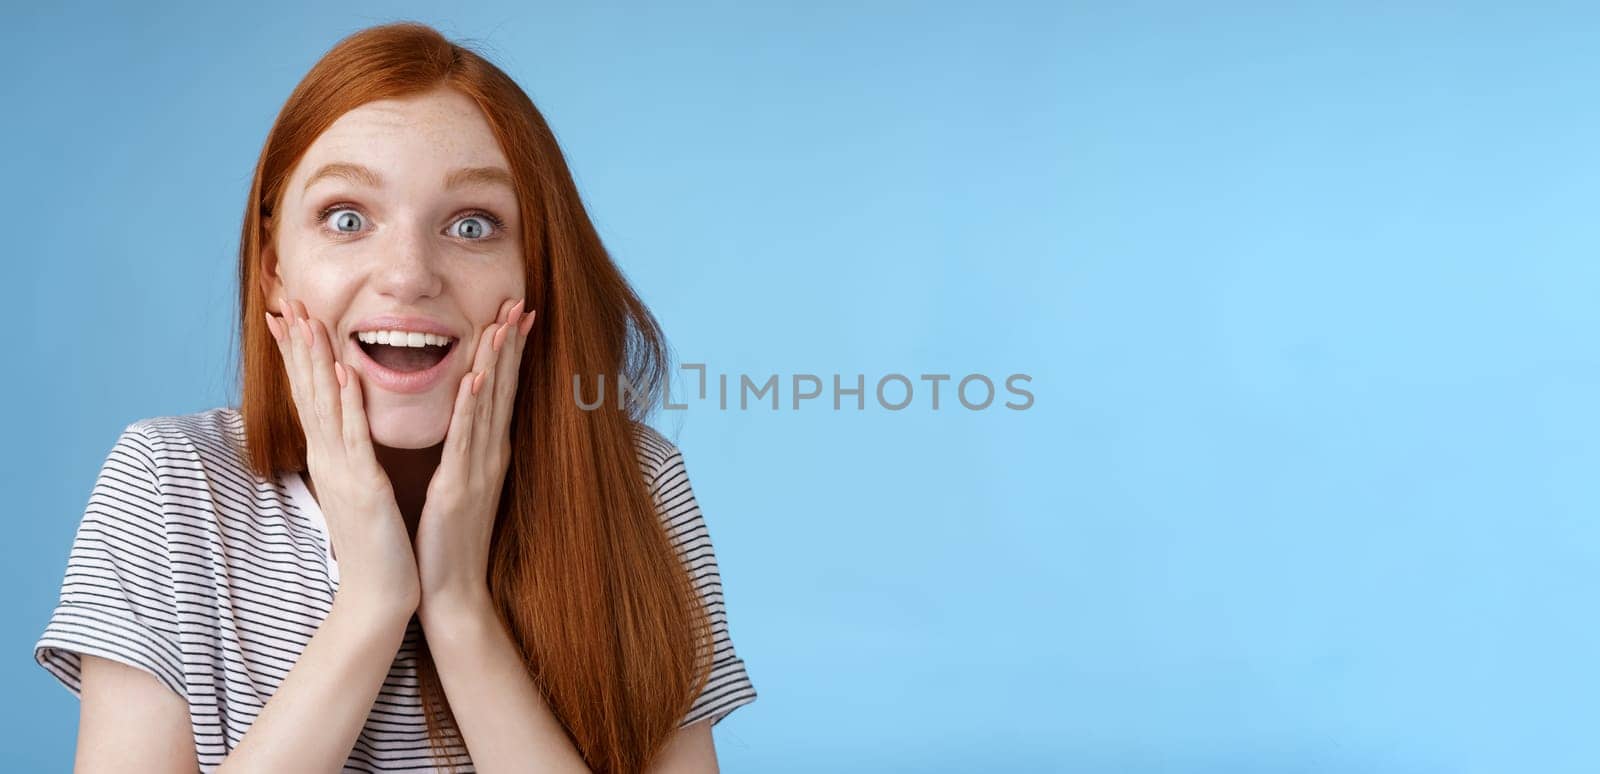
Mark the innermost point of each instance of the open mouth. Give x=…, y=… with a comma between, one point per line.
x=404, y=351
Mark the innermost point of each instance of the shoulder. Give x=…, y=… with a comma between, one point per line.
x=209, y=442
x=185, y=478
x=668, y=478
x=161, y=479
x=209, y=427
x=663, y=465
x=655, y=451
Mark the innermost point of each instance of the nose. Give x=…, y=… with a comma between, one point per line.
x=407, y=269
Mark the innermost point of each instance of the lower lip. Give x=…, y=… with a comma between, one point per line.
x=406, y=382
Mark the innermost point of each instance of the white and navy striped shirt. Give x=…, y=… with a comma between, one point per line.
x=189, y=566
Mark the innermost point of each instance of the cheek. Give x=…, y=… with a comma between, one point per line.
x=324, y=286
x=506, y=283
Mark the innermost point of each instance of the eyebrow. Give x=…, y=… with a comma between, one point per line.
x=360, y=175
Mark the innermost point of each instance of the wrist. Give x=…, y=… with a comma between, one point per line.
x=452, y=607
x=382, y=605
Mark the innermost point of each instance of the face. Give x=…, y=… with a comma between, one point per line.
x=399, y=230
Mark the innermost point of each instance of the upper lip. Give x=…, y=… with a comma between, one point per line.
x=408, y=323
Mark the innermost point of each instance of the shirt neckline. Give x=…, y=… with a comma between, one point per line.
x=301, y=496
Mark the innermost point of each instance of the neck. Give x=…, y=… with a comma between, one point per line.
x=409, y=472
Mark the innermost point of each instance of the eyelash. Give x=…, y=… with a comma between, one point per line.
x=322, y=219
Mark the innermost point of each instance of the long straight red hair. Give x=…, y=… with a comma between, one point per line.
x=582, y=569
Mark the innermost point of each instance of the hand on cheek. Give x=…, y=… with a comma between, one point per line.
x=353, y=491
x=457, y=521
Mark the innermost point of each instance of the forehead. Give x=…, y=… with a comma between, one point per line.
x=418, y=137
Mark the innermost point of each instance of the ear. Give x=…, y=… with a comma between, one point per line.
x=271, y=281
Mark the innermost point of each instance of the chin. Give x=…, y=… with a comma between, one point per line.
x=407, y=427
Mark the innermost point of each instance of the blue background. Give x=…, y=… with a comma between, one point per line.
x=1307, y=295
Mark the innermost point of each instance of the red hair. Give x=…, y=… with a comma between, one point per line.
x=582, y=569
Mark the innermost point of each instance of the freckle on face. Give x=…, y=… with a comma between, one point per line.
x=404, y=253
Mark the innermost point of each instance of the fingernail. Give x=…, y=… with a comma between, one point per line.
x=500, y=336
x=477, y=382
x=527, y=324
x=272, y=327
x=338, y=370
x=516, y=313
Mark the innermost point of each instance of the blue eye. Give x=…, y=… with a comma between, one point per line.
x=348, y=220
x=475, y=226
x=472, y=226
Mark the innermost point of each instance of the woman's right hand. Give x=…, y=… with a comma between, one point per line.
x=357, y=500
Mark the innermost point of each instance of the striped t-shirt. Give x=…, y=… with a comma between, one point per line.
x=191, y=567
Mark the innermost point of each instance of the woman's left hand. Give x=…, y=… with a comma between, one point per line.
x=458, y=516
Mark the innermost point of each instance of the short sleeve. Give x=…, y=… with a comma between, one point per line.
x=117, y=597
x=729, y=686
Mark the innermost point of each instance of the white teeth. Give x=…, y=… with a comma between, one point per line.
x=403, y=338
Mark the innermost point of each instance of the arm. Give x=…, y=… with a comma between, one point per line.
x=129, y=721
x=503, y=719
x=315, y=715
x=312, y=720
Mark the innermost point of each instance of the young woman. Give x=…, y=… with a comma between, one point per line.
x=409, y=546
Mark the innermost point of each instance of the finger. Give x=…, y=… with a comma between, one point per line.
x=482, y=364
x=483, y=410
x=299, y=384
x=353, y=417
x=316, y=397
x=500, y=317
x=506, y=371
x=483, y=356
x=323, y=380
x=272, y=328
x=458, y=439
x=493, y=395
x=282, y=332
x=297, y=337
x=524, y=331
